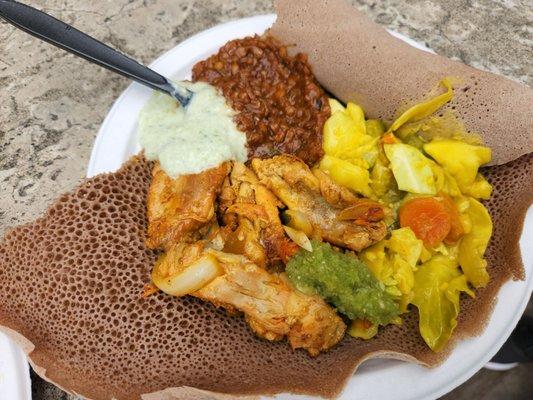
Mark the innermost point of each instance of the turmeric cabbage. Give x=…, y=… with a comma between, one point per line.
x=412, y=170
x=425, y=108
x=421, y=154
x=375, y=127
x=344, y=132
x=437, y=288
x=350, y=151
x=462, y=161
x=347, y=174
x=473, y=245
x=393, y=262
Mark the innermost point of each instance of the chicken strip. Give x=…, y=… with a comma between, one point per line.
x=273, y=308
x=250, y=212
x=319, y=199
x=177, y=208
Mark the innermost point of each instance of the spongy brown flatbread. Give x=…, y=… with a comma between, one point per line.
x=357, y=60
x=71, y=285
x=71, y=280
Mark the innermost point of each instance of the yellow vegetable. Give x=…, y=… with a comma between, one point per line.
x=424, y=109
x=369, y=151
x=377, y=261
x=403, y=274
x=393, y=262
x=375, y=127
x=411, y=169
x=335, y=106
x=444, y=181
x=425, y=255
x=359, y=162
x=362, y=329
x=340, y=135
x=480, y=188
x=438, y=285
x=473, y=245
x=461, y=160
x=358, y=116
x=343, y=134
x=382, y=179
x=404, y=242
x=442, y=126
x=415, y=141
x=347, y=174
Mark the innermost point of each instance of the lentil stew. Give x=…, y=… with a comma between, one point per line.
x=279, y=103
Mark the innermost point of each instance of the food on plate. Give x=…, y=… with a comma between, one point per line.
x=247, y=253
x=249, y=214
x=189, y=140
x=272, y=307
x=319, y=200
x=437, y=287
x=278, y=101
x=344, y=281
x=397, y=201
x=177, y=208
x=87, y=257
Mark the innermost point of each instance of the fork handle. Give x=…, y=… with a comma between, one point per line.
x=60, y=34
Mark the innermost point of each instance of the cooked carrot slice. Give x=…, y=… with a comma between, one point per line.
x=389, y=138
x=428, y=219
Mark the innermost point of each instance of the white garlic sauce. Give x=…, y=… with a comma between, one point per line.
x=192, y=139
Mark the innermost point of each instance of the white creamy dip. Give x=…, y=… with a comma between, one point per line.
x=192, y=139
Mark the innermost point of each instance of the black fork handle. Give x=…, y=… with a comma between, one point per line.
x=60, y=34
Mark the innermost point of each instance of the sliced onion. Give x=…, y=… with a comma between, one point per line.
x=299, y=238
x=192, y=278
x=298, y=220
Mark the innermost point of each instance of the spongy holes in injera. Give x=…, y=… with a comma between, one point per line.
x=72, y=281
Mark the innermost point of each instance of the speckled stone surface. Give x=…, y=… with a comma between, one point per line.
x=52, y=104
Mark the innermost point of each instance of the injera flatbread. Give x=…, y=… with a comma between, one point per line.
x=71, y=285
x=357, y=60
x=70, y=296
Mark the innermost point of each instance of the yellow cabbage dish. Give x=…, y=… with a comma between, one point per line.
x=462, y=161
x=420, y=154
x=438, y=285
x=474, y=243
x=393, y=261
x=350, y=151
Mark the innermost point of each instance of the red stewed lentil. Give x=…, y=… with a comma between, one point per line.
x=279, y=103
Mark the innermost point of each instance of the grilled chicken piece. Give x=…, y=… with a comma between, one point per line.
x=272, y=307
x=319, y=199
x=250, y=213
x=177, y=208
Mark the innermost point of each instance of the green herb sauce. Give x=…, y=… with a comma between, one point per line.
x=344, y=281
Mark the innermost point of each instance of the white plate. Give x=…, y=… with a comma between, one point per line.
x=14, y=372
x=375, y=379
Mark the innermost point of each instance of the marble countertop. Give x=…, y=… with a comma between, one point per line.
x=52, y=103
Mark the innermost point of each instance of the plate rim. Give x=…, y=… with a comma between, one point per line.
x=17, y=367
x=526, y=235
